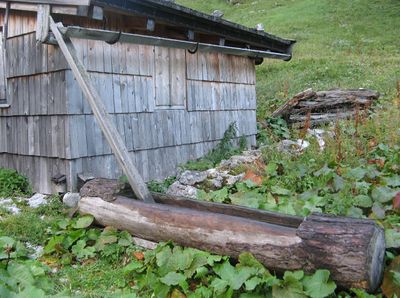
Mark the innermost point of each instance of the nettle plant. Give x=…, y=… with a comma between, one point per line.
x=173, y=271
x=20, y=276
x=12, y=183
x=74, y=241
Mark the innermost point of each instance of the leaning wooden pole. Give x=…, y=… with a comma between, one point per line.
x=102, y=117
x=352, y=249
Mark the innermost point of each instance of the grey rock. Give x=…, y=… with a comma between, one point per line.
x=178, y=189
x=212, y=173
x=217, y=183
x=247, y=157
x=192, y=177
x=293, y=147
x=217, y=14
x=37, y=250
x=37, y=200
x=71, y=199
x=230, y=179
x=319, y=135
x=8, y=204
x=260, y=27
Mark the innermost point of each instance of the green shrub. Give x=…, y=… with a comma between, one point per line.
x=224, y=150
x=12, y=183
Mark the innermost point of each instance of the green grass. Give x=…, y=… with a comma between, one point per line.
x=31, y=225
x=340, y=44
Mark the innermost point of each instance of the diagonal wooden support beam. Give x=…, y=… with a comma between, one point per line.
x=103, y=118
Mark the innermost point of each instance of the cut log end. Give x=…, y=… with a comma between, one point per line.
x=377, y=255
x=353, y=249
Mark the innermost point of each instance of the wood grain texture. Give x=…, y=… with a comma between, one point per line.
x=42, y=22
x=354, y=259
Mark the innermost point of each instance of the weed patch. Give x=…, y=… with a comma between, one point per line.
x=12, y=183
x=224, y=149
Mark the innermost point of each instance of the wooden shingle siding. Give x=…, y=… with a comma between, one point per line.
x=120, y=93
x=146, y=131
x=40, y=170
x=25, y=57
x=152, y=164
x=207, y=96
x=168, y=105
x=21, y=22
x=42, y=94
x=34, y=135
x=218, y=67
x=2, y=68
x=170, y=77
x=119, y=58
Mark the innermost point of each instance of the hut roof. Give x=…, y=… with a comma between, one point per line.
x=179, y=17
x=172, y=13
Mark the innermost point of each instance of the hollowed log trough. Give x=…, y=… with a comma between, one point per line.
x=351, y=249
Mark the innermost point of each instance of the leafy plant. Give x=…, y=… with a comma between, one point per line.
x=19, y=276
x=223, y=150
x=278, y=127
x=161, y=186
x=173, y=270
x=12, y=183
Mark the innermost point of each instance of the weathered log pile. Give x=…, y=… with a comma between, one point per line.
x=352, y=249
x=325, y=106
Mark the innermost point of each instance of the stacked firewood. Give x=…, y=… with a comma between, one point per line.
x=325, y=106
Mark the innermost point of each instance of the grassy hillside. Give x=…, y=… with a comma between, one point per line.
x=347, y=44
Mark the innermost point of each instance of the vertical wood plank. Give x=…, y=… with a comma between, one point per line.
x=178, y=77
x=162, y=76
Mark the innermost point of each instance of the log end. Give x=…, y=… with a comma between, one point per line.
x=352, y=249
x=376, y=253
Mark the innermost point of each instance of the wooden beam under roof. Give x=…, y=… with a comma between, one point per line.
x=55, y=2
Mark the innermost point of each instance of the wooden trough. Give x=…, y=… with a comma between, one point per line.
x=351, y=249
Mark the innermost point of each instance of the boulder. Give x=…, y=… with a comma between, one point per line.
x=71, y=199
x=37, y=200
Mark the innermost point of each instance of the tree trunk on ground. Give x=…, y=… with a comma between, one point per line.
x=351, y=249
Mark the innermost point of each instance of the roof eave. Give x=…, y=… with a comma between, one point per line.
x=186, y=17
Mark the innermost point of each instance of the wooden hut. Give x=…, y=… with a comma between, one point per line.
x=171, y=78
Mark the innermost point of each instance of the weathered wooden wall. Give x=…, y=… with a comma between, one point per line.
x=169, y=106
x=33, y=129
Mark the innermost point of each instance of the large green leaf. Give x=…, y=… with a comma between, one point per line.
x=318, y=285
x=252, y=283
x=21, y=273
x=219, y=196
x=54, y=244
x=393, y=181
x=234, y=276
x=82, y=251
x=173, y=279
x=275, y=189
x=72, y=236
x=383, y=194
x=392, y=237
x=219, y=285
x=356, y=173
x=249, y=199
x=83, y=222
x=363, y=201
x=291, y=286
